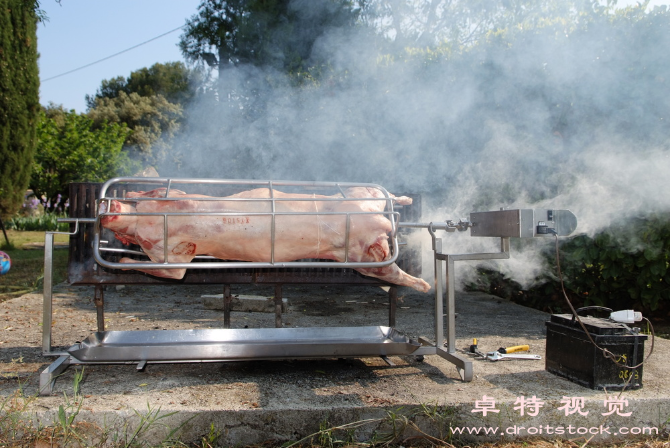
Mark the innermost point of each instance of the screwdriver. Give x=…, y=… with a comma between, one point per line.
x=516, y=348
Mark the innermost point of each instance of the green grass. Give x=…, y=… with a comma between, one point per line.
x=69, y=429
x=27, y=269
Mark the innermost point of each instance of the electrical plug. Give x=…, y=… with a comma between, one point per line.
x=626, y=316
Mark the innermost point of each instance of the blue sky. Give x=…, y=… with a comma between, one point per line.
x=83, y=31
x=80, y=32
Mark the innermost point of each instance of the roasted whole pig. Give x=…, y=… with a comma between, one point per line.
x=244, y=237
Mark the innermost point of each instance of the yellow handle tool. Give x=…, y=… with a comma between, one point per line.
x=516, y=348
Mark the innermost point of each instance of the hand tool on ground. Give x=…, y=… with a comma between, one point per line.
x=496, y=356
x=475, y=350
x=516, y=348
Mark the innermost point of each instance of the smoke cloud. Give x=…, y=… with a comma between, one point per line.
x=543, y=119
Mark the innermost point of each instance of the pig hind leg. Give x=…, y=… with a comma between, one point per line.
x=163, y=273
x=392, y=273
x=182, y=252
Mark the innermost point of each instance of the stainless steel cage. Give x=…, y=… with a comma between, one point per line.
x=115, y=189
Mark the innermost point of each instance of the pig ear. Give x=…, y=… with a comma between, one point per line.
x=377, y=251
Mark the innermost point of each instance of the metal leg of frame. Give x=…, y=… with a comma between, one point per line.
x=49, y=375
x=393, y=303
x=463, y=365
x=99, y=300
x=278, y=305
x=47, y=298
x=227, y=305
x=439, y=296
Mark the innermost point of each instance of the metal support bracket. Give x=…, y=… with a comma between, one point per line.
x=278, y=304
x=463, y=365
x=227, y=304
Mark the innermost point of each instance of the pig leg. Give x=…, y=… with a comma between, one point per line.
x=392, y=273
x=124, y=225
x=182, y=252
x=163, y=273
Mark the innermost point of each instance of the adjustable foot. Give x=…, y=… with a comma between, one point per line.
x=463, y=366
x=49, y=375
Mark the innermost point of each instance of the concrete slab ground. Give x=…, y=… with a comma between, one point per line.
x=257, y=401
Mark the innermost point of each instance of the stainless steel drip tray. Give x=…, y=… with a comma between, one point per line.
x=241, y=344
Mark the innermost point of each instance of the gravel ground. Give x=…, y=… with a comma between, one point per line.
x=292, y=389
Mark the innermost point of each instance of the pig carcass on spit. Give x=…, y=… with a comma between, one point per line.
x=248, y=238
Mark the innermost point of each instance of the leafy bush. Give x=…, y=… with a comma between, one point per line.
x=45, y=222
x=70, y=148
x=622, y=267
x=625, y=266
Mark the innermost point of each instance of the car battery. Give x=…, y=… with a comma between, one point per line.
x=571, y=354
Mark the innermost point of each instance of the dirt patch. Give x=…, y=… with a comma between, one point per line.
x=171, y=307
x=178, y=307
x=295, y=395
x=495, y=322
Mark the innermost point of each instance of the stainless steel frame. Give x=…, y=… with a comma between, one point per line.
x=143, y=347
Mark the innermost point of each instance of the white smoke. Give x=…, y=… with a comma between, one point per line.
x=471, y=133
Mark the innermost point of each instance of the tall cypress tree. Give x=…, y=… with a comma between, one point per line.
x=19, y=99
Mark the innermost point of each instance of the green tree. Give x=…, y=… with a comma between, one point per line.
x=172, y=80
x=152, y=121
x=19, y=100
x=71, y=148
x=465, y=23
x=150, y=102
x=276, y=33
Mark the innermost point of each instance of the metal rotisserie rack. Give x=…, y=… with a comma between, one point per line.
x=98, y=258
